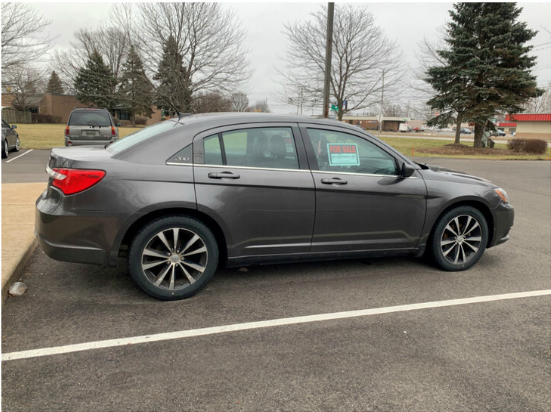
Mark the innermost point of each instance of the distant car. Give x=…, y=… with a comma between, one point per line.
x=10, y=139
x=181, y=196
x=498, y=133
x=90, y=127
x=464, y=130
x=418, y=129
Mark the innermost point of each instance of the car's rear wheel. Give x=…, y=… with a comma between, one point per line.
x=5, y=150
x=173, y=257
x=459, y=238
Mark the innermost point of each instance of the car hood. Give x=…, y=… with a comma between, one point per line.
x=442, y=173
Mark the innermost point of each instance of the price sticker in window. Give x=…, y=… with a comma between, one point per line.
x=343, y=154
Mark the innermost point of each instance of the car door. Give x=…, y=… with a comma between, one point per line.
x=255, y=182
x=362, y=203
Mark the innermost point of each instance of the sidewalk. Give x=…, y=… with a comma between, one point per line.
x=18, y=242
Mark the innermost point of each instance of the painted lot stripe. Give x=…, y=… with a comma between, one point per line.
x=23, y=154
x=58, y=350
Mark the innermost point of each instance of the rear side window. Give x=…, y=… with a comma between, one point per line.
x=90, y=118
x=141, y=135
x=266, y=147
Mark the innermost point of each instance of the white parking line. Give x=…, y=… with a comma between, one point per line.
x=23, y=154
x=58, y=350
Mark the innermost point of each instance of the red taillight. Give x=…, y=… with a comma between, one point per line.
x=112, y=131
x=71, y=181
x=67, y=131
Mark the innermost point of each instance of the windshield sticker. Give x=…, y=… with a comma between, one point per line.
x=343, y=154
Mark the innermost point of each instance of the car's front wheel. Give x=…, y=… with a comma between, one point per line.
x=173, y=257
x=459, y=238
x=17, y=145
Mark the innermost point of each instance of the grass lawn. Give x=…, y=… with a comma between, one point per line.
x=37, y=136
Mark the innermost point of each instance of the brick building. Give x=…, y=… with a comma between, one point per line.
x=532, y=126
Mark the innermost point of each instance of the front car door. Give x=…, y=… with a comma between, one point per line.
x=9, y=133
x=255, y=182
x=361, y=202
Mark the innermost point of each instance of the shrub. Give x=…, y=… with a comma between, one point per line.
x=534, y=146
x=141, y=120
x=45, y=118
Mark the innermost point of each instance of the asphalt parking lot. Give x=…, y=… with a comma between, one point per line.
x=490, y=355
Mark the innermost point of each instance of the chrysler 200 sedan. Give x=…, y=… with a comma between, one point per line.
x=182, y=196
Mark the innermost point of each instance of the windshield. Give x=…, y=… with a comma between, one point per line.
x=91, y=118
x=141, y=135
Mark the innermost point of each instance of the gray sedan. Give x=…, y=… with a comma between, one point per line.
x=183, y=196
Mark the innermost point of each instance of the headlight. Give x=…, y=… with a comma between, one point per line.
x=502, y=194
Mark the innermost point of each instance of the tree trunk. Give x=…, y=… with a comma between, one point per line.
x=133, y=119
x=478, y=132
x=457, y=130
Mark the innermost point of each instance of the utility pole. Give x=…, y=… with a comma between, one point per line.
x=328, y=51
x=382, y=104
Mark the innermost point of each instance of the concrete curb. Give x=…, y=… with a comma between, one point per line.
x=17, y=268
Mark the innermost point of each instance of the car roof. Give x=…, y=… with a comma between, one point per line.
x=248, y=117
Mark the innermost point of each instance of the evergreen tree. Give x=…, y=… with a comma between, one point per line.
x=173, y=80
x=487, y=70
x=135, y=92
x=54, y=84
x=95, y=84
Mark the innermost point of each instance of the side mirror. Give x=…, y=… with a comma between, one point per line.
x=14, y=126
x=406, y=171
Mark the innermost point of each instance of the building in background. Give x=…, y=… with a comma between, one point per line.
x=532, y=126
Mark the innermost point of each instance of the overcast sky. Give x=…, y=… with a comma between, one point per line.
x=406, y=23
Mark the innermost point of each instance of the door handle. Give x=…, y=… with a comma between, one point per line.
x=334, y=181
x=224, y=175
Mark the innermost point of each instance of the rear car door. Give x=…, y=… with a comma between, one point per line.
x=255, y=182
x=361, y=202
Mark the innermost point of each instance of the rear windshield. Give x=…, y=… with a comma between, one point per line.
x=141, y=135
x=91, y=118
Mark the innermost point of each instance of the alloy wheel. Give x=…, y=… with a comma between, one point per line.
x=461, y=239
x=174, y=259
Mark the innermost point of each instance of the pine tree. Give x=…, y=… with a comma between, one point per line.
x=487, y=70
x=95, y=84
x=173, y=79
x=135, y=92
x=54, y=84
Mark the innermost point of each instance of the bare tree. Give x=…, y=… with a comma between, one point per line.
x=209, y=39
x=111, y=43
x=21, y=38
x=239, y=102
x=361, y=54
x=25, y=84
x=260, y=106
x=541, y=104
x=211, y=102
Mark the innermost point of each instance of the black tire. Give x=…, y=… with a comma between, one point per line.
x=153, y=258
x=17, y=144
x=5, y=150
x=459, y=238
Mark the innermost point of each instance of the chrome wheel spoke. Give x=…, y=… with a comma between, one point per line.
x=475, y=249
x=447, y=242
x=154, y=253
x=448, y=227
x=162, y=275
x=175, y=231
x=463, y=253
x=202, y=249
x=457, y=247
x=194, y=239
x=171, y=286
x=162, y=236
x=474, y=239
x=473, y=228
x=456, y=220
x=467, y=225
x=446, y=253
x=195, y=266
x=189, y=277
x=150, y=265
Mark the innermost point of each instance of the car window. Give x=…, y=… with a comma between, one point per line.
x=141, y=135
x=343, y=152
x=184, y=156
x=213, y=151
x=4, y=123
x=268, y=147
x=90, y=118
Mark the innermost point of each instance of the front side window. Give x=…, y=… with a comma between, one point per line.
x=343, y=152
x=265, y=147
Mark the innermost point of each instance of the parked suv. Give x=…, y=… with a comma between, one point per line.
x=90, y=127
